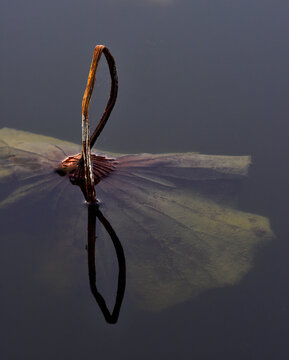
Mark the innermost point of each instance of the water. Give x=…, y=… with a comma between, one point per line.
x=194, y=76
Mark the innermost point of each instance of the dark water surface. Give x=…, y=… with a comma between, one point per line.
x=206, y=76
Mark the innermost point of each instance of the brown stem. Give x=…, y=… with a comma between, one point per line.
x=99, y=49
x=89, y=191
x=87, y=141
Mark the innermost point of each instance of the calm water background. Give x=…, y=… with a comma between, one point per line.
x=207, y=76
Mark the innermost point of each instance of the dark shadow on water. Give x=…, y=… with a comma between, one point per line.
x=93, y=213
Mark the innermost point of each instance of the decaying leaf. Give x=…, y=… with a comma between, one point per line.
x=172, y=212
x=175, y=214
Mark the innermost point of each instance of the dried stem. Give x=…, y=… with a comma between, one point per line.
x=87, y=141
x=99, y=49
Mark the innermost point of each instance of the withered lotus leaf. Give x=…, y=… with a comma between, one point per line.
x=176, y=214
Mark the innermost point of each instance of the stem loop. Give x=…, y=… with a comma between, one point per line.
x=87, y=140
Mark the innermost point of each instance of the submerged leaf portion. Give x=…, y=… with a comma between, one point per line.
x=173, y=213
x=190, y=166
x=28, y=162
x=179, y=241
x=23, y=154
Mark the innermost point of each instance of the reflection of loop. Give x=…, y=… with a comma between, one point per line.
x=93, y=212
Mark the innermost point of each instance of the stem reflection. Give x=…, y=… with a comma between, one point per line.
x=93, y=213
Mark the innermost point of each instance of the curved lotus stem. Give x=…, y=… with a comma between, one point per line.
x=99, y=49
x=87, y=141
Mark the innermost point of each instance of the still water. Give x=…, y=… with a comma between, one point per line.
x=203, y=76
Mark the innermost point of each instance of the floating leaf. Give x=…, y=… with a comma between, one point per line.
x=172, y=212
x=175, y=214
